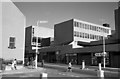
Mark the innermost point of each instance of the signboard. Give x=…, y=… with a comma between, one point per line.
x=33, y=48
x=100, y=54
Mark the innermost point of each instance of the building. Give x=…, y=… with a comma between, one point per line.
x=32, y=33
x=117, y=21
x=76, y=40
x=71, y=38
x=13, y=32
x=79, y=31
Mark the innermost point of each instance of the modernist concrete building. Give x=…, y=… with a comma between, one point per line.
x=70, y=40
x=76, y=40
x=75, y=31
x=13, y=32
x=32, y=34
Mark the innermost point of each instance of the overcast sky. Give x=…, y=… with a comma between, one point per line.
x=56, y=12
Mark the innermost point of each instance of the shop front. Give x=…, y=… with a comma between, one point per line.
x=71, y=57
x=98, y=58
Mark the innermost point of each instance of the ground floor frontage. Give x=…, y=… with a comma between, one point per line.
x=91, y=55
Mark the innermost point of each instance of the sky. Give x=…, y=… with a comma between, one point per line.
x=56, y=12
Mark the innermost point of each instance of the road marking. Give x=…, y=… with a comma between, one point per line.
x=63, y=74
x=77, y=76
x=30, y=75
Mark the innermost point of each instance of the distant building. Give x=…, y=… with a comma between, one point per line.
x=45, y=38
x=13, y=32
x=117, y=21
x=75, y=31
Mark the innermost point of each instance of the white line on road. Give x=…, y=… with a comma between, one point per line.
x=30, y=75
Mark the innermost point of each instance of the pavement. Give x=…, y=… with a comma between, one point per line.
x=21, y=69
x=89, y=70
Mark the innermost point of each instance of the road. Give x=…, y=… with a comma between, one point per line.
x=52, y=74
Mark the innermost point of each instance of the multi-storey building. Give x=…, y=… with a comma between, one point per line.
x=75, y=31
x=76, y=40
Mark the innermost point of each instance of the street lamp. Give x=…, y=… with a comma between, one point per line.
x=36, y=55
x=104, y=53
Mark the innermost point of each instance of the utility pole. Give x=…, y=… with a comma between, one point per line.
x=104, y=53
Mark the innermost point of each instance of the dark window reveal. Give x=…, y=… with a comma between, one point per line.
x=12, y=43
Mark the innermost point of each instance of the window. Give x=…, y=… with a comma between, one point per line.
x=80, y=34
x=85, y=26
x=85, y=35
x=33, y=31
x=90, y=27
x=12, y=43
x=77, y=33
x=107, y=30
x=80, y=25
x=34, y=39
x=94, y=28
x=75, y=24
x=74, y=33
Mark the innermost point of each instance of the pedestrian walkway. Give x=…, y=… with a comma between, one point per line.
x=8, y=67
x=23, y=70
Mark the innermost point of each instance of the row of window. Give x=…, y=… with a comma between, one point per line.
x=88, y=36
x=34, y=39
x=90, y=27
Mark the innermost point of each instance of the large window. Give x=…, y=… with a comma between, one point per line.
x=12, y=43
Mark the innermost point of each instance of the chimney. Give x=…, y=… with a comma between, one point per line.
x=106, y=25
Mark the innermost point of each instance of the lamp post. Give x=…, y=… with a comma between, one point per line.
x=36, y=55
x=104, y=53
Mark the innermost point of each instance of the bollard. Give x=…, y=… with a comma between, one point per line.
x=100, y=72
x=83, y=64
x=99, y=66
x=43, y=76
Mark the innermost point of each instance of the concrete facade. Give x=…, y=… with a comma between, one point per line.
x=13, y=31
x=45, y=38
x=73, y=31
